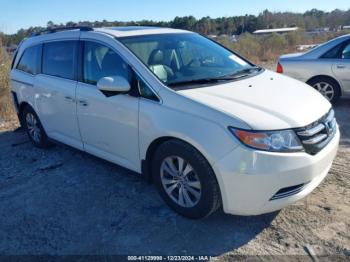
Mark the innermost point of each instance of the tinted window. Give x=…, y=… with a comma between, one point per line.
x=333, y=53
x=346, y=52
x=340, y=51
x=29, y=61
x=59, y=59
x=100, y=61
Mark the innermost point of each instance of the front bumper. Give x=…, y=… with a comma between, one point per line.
x=248, y=179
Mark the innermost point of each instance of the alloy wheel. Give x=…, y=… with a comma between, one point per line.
x=180, y=181
x=326, y=89
x=33, y=127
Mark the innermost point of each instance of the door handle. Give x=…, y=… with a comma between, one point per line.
x=70, y=99
x=340, y=66
x=83, y=103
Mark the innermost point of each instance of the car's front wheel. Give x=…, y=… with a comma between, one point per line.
x=185, y=180
x=327, y=87
x=34, y=129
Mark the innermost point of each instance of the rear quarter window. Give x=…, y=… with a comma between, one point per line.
x=337, y=51
x=30, y=59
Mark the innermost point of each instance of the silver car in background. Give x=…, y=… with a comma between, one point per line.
x=325, y=67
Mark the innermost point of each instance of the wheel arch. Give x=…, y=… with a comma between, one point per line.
x=21, y=108
x=146, y=163
x=329, y=77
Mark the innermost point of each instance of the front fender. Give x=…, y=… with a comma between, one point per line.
x=156, y=120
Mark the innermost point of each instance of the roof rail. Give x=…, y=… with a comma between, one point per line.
x=58, y=29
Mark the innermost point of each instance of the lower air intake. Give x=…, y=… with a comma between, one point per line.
x=288, y=191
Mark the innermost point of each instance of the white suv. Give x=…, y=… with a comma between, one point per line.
x=205, y=125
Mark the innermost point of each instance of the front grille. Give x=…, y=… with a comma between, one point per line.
x=288, y=191
x=316, y=136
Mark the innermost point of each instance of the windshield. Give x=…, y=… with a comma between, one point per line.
x=186, y=58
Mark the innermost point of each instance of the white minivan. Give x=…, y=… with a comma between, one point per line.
x=208, y=127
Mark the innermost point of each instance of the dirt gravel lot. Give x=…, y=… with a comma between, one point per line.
x=62, y=201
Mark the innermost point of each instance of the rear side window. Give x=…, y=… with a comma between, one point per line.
x=59, y=59
x=29, y=61
x=346, y=52
x=333, y=53
x=341, y=51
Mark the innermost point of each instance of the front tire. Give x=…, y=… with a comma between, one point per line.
x=34, y=128
x=328, y=87
x=185, y=180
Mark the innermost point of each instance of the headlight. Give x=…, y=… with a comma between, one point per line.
x=275, y=141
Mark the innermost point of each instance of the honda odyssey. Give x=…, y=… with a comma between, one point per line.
x=208, y=127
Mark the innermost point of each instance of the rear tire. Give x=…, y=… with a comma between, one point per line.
x=328, y=87
x=185, y=180
x=34, y=128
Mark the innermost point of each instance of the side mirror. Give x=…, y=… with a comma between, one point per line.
x=113, y=84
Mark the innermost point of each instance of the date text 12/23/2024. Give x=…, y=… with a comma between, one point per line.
x=170, y=258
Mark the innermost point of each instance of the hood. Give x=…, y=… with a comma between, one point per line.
x=267, y=101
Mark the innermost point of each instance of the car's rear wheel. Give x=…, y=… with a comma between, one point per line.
x=185, y=180
x=328, y=87
x=34, y=129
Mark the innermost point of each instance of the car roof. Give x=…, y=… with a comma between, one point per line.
x=344, y=36
x=125, y=31
x=122, y=31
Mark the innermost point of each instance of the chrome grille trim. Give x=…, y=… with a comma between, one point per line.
x=315, y=140
x=312, y=131
x=317, y=135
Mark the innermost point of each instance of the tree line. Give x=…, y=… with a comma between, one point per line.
x=310, y=20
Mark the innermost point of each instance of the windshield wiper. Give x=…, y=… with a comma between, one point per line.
x=235, y=75
x=244, y=72
x=199, y=81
